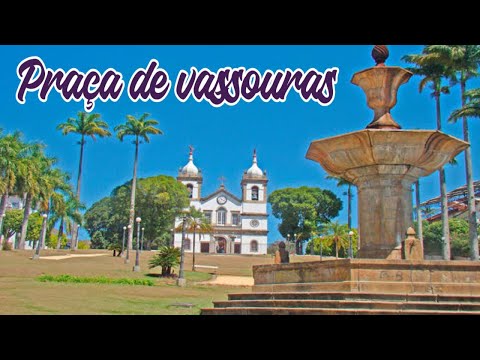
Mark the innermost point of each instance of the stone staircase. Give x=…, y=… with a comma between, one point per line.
x=344, y=303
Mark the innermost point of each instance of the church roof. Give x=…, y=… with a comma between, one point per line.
x=254, y=170
x=190, y=169
x=220, y=190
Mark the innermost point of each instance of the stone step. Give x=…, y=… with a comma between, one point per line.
x=353, y=296
x=387, y=287
x=349, y=304
x=318, y=311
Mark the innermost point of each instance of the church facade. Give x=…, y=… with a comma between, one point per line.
x=240, y=224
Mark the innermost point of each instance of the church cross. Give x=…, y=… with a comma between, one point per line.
x=222, y=180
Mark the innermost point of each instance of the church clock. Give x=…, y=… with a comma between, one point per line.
x=221, y=200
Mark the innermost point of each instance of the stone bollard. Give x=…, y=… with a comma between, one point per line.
x=412, y=248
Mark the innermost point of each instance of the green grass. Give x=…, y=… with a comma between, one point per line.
x=94, y=280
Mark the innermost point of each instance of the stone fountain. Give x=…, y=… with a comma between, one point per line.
x=383, y=161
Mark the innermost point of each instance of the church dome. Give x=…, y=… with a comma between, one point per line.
x=190, y=168
x=254, y=169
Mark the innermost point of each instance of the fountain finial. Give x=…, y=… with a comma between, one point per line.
x=380, y=54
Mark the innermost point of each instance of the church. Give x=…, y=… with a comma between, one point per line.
x=240, y=224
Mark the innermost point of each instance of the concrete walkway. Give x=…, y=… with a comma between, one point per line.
x=230, y=280
x=61, y=257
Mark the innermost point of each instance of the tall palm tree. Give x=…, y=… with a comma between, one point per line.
x=11, y=151
x=433, y=73
x=85, y=125
x=29, y=184
x=140, y=128
x=464, y=60
x=342, y=182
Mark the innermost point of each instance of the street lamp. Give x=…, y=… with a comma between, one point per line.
x=181, y=281
x=143, y=231
x=123, y=241
x=42, y=236
x=127, y=258
x=321, y=247
x=350, y=250
x=1, y=228
x=136, y=268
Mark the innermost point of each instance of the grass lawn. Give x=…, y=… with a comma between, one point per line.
x=22, y=293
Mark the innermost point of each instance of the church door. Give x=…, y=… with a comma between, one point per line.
x=221, y=246
x=237, y=248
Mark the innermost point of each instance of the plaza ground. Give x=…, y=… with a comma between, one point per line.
x=21, y=293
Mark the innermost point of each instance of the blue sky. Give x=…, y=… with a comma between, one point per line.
x=223, y=137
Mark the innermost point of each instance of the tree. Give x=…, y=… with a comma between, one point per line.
x=433, y=73
x=336, y=234
x=167, y=258
x=139, y=128
x=34, y=228
x=85, y=125
x=459, y=230
x=11, y=224
x=65, y=209
x=464, y=61
x=159, y=200
x=342, y=182
x=29, y=183
x=302, y=210
x=11, y=151
x=196, y=223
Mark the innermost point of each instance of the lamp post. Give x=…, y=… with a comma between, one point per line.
x=123, y=241
x=42, y=236
x=127, y=257
x=181, y=281
x=2, y=218
x=350, y=250
x=136, y=268
x=143, y=232
x=321, y=247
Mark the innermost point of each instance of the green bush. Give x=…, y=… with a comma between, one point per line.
x=51, y=242
x=167, y=257
x=94, y=280
x=83, y=245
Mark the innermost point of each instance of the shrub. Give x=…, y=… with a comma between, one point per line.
x=167, y=257
x=51, y=242
x=94, y=280
x=83, y=245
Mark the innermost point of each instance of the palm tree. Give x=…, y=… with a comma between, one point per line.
x=433, y=73
x=139, y=128
x=337, y=234
x=29, y=184
x=464, y=61
x=65, y=208
x=196, y=223
x=85, y=125
x=11, y=151
x=343, y=182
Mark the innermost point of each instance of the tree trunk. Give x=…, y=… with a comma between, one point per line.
x=74, y=244
x=132, y=197
x=193, y=249
x=419, y=212
x=24, y=228
x=472, y=210
x=3, y=207
x=336, y=249
x=60, y=234
x=443, y=187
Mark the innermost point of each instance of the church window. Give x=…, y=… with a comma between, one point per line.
x=221, y=216
x=190, y=190
x=208, y=217
x=187, y=244
x=235, y=219
x=254, y=246
x=255, y=193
